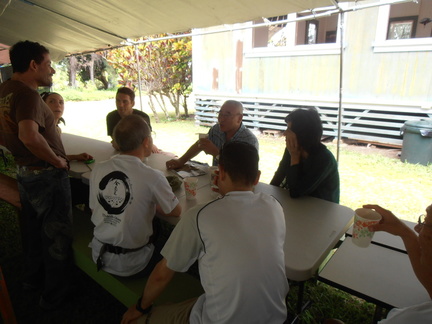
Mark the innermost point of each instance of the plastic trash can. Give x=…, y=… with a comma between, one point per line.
x=417, y=141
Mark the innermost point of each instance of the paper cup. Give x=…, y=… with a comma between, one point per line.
x=364, y=218
x=202, y=135
x=213, y=170
x=190, y=185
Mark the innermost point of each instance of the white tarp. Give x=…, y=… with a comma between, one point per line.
x=73, y=26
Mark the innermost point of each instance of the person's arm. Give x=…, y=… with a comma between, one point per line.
x=156, y=283
x=391, y=224
x=176, y=212
x=28, y=134
x=79, y=157
x=279, y=175
x=193, y=151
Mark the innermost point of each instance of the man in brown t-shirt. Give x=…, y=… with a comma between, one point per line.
x=28, y=130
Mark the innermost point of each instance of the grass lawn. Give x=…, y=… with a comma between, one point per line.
x=365, y=178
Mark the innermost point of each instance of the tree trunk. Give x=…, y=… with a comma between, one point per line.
x=185, y=106
x=153, y=108
x=73, y=64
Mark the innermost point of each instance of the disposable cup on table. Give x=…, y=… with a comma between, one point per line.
x=190, y=185
x=213, y=170
x=364, y=218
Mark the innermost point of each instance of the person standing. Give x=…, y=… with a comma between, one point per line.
x=29, y=131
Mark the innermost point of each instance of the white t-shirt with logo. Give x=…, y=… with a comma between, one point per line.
x=124, y=193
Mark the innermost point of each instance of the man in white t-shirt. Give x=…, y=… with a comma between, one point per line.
x=125, y=194
x=238, y=241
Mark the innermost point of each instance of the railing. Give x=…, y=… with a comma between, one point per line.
x=367, y=122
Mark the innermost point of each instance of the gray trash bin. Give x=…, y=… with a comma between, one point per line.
x=417, y=141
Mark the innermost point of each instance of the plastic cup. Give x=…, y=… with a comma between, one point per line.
x=190, y=185
x=364, y=218
x=213, y=170
x=202, y=135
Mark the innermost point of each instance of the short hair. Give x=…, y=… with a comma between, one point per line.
x=22, y=53
x=234, y=103
x=240, y=162
x=306, y=124
x=130, y=132
x=127, y=91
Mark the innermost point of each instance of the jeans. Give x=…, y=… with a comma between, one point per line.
x=47, y=225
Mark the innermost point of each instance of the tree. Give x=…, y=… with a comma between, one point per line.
x=165, y=67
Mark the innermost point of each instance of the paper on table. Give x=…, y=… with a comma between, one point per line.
x=192, y=169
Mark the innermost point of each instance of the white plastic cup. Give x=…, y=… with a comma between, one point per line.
x=190, y=186
x=213, y=170
x=202, y=135
x=364, y=218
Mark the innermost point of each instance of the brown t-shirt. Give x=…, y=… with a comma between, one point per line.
x=19, y=102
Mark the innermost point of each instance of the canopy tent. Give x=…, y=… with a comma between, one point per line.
x=73, y=26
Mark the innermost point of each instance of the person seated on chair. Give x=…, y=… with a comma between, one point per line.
x=238, y=241
x=125, y=194
x=125, y=100
x=307, y=166
x=419, y=248
x=228, y=129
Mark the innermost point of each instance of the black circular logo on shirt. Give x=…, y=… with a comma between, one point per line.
x=114, y=192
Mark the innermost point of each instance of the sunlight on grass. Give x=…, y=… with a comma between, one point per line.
x=365, y=178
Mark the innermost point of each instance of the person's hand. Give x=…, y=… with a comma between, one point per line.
x=62, y=164
x=83, y=157
x=155, y=149
x=174, y=164
x=293, y=146
x=131, y=314
x=208, y=147
x=389, y=222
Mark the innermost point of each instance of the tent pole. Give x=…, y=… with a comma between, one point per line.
x=139, y=75
x=341, y=30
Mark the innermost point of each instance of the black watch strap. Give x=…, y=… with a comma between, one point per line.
x=143, y=311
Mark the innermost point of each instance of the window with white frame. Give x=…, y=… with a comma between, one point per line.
x=302, y=32
x=404, y=27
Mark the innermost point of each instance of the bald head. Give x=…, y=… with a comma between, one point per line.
x=130, y=132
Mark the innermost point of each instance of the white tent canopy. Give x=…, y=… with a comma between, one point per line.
x=73, y=26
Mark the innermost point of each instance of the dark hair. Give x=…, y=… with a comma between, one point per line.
x=46, y=94
x=130, y=132
x=127, y=91
x=306, y=124
x=22, y=53
x=240, y=162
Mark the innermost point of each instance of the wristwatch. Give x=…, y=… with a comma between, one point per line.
x=143, y=311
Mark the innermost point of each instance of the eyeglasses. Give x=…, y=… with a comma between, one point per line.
x=228, y=115
x=421, y=221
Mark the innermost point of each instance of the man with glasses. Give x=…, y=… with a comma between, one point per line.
x=419, y=248
x=228, y=129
